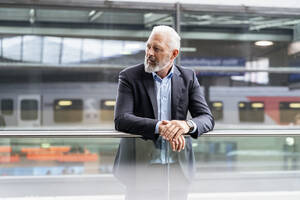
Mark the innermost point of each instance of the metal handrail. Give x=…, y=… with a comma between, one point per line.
x=217, y=69
x=114, y=134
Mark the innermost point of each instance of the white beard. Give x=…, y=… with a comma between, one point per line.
x=157, y=67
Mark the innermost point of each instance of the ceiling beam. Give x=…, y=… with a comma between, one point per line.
x=97, y=33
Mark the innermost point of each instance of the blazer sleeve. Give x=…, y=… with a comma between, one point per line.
x=124, y=117
x=199, y=109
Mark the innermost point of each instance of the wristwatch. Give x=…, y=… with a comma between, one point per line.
x=190, y=125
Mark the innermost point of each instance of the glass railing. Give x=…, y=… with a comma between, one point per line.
x=237, y=164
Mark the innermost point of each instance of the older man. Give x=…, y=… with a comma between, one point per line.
x=153, y=101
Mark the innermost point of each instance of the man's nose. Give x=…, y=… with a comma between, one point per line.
x=149, y=51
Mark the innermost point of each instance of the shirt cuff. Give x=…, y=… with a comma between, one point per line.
x=195, y=127
x=157, y=127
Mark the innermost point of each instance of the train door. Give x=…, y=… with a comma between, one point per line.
x=29, y=110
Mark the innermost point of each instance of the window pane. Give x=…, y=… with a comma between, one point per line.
x=1, y=47
x=289, y=112
x=32, y=49
x=51, y=51
x=107, y=110
x=12, y=48
x=71, y=50
x=7, y=106
x=251, y=111
x=217, y=109
x=91, y=49
x=29, y=109
x=68, y=110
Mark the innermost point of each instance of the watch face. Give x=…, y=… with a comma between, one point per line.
x=190, y=124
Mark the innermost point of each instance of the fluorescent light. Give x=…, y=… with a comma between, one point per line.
x=32, y=16
x=126, y=53
x=188, y=49
x=92, y=13
x=264, y=43
x=147, y=15
x=65, y=103
x=31, y=12
x=241, y=105
x=217, y=104
x=110, y=103
x=257, y=105
x=294, y=105
x=45, y=145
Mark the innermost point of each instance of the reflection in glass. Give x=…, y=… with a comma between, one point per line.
x=36, y=157
x=99, y=43
x=88, y=166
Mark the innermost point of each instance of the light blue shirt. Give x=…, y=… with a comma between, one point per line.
x=163, y=88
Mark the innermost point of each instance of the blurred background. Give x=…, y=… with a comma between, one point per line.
x=59, y=65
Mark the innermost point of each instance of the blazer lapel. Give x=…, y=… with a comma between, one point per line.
x=176, y=91
x=150, y=88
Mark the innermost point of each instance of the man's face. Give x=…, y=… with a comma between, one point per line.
x=158, y=54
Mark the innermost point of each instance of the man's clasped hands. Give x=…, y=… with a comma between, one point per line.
x=174, y=131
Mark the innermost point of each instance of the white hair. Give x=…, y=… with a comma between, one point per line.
x=173, y=37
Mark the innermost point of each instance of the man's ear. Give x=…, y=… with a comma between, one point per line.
x=175, y=53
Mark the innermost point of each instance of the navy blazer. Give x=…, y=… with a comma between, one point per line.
x=136, y=106
x=136, y=113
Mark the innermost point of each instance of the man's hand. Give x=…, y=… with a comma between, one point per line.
x=172, y=130
x=162, y=126
x=178, y=145
x=177, y=142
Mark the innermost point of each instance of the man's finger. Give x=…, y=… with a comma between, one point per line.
x=165, y=129
x=169, y=130
x=182, y=143
x=178, y=134
x=179, y=144
x=173, y=145
x=173, y=133
x=176, y=145
x=164, y=122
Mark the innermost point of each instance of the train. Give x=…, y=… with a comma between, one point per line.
x=91, y=105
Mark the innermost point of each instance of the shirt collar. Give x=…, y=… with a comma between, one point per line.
x=157, y=78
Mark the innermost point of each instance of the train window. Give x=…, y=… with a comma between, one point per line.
x=7, y=106
x=216, y=108
x=29, y=109
x=107, y=109
x=68, y=110
x=289, y=111
x=251, y=111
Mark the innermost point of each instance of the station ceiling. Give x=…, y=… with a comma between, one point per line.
x=121, y=22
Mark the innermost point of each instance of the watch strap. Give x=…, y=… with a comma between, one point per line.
x=191, y=125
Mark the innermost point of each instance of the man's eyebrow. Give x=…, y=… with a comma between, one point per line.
x=158, y=46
